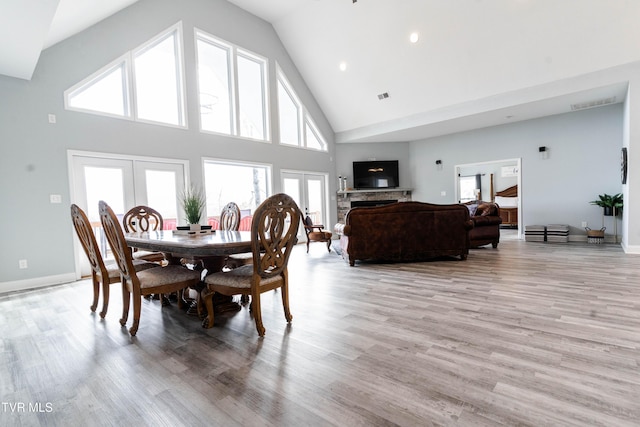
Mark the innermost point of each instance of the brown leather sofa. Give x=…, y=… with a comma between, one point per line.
x=486, y=223
x=406, y=231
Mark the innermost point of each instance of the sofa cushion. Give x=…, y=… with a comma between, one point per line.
x=479, y=221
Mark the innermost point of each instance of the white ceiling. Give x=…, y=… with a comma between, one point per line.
x=38, y=24
x=477, y=63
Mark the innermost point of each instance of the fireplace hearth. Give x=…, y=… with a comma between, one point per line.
x=367, y=203
x=355, y=198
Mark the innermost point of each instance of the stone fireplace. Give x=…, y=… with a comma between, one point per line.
x=353, y=198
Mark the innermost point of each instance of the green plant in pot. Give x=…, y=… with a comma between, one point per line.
x=193, y=202
x=610, y=203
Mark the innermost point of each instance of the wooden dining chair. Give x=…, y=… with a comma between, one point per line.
x=162, y=280
x=230, y=217
x=101, y=273
x=230, y=220
x=141, y=219
x=273, y=236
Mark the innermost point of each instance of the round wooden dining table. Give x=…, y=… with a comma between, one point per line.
x=208, y=250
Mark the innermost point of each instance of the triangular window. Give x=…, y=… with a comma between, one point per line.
x=105, y=92
x=292, y=116
x=157, y=93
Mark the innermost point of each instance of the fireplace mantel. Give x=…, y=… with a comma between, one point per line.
x=346, y=197
x=405, y=191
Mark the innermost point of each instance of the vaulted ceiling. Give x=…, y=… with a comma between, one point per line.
x=476, y=63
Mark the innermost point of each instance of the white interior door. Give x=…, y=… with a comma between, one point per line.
x=124, y=182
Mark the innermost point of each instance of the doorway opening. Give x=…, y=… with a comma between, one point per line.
x=496, y=181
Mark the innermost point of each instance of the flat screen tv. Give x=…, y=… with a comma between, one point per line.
x=375, y=174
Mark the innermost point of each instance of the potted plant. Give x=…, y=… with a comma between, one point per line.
x=193, y=202
x=611, y=204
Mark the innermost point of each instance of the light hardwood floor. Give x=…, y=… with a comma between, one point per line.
x=530, y=334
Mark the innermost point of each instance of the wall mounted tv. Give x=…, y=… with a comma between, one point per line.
x=375, y=174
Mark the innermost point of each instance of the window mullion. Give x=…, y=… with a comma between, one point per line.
x=265, y=102
x=180, y=81
x=131, y=83
x=302, y=140
x=235, y=92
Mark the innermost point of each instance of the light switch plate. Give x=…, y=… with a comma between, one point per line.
x=55, y=198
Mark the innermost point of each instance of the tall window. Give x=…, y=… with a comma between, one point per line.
x=214, y=65
x=246, y=184
x=251, y=99
x=157, y=69
x=289, y=115
x=145, y=84
x=296, y=126
x=232, y=89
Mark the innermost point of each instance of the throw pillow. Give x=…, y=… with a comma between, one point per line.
x=472, y=209
x=485, y=209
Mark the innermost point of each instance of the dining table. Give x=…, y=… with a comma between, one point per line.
x=208, y=251
x=211, y=248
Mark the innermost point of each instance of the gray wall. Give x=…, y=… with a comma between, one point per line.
x=346, y=154
x=584, y=161
x=33, y=163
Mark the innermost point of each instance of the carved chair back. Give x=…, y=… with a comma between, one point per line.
x=230, y=217
x=142, y=218
x=274, y=232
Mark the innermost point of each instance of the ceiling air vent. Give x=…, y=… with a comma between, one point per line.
x=382, y=96
x=592, y=104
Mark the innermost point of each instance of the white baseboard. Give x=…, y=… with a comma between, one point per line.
x=633, y=249
x=38, y=282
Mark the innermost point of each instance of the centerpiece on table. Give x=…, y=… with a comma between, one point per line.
x=193, y=202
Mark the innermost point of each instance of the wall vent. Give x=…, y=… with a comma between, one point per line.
x=592, y=104
x=382, y=96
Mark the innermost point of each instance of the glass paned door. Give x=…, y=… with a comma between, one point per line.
x=159, y=185
x=309, y=192
x=124, y=183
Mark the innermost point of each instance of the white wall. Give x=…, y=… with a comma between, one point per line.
x=33, y=163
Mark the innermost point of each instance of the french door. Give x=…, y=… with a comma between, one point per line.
x=309, y=190
x=124, y=182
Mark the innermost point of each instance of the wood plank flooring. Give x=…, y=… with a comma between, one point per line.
x=530, y=334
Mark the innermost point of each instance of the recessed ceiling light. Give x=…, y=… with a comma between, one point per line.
x=413, y=38
x=343, y=66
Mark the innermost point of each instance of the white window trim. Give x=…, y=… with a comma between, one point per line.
x=206, y=37
x=129, y=82
x=264, y=67
x=124, y=60
x=303, y=117
x=282, y=80
x=316, y=132
x=269, y=167
x=234, y=51
x=180, y=73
